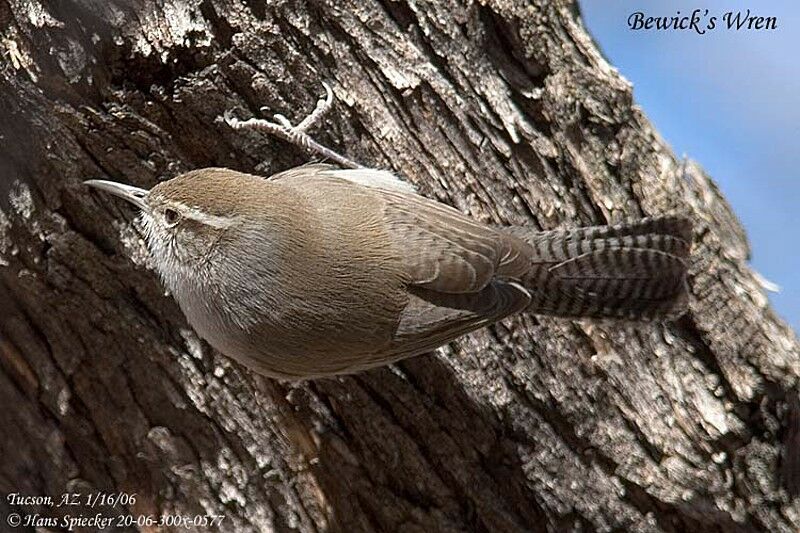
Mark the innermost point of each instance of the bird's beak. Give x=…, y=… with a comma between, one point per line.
x=132, y=194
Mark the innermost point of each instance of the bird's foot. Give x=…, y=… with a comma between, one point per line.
x=296, y=135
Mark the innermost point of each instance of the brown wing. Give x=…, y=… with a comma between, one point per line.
x=445, y=251
x=432, y=319
x=440, y=248
x=454, y=264
x=450, y=263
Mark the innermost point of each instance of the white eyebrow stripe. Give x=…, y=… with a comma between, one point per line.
x=215, y=221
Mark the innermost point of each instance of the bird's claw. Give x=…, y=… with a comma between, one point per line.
x=283, y=121
x=322, y=107
x=297, y=135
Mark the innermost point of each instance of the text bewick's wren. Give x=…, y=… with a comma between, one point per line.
x=319, y=271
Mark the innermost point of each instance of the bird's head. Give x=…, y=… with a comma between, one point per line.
x=188, y=218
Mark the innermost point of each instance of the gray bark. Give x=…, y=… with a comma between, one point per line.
x=504, y=109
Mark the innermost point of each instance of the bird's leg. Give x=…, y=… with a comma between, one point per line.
x=296, y=134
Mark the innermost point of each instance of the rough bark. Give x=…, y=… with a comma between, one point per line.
x=504, y=109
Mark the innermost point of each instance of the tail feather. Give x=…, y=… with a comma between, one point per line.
x=632, y=271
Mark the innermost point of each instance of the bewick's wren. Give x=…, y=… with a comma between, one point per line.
x=319, y=271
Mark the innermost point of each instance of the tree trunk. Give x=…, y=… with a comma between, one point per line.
x=504, y=109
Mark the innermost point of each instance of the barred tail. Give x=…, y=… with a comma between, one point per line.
x=633, y=271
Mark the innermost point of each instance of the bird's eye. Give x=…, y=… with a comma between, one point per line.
x=171, y=216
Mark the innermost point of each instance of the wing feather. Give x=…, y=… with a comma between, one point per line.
x=443, y=250
x=440, y=248
x=433, y=318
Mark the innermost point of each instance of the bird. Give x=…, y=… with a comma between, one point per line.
x=320, y=271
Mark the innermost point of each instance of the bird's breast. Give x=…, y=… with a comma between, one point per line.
x=329, y=296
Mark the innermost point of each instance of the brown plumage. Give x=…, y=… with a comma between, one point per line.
x=319, y=271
